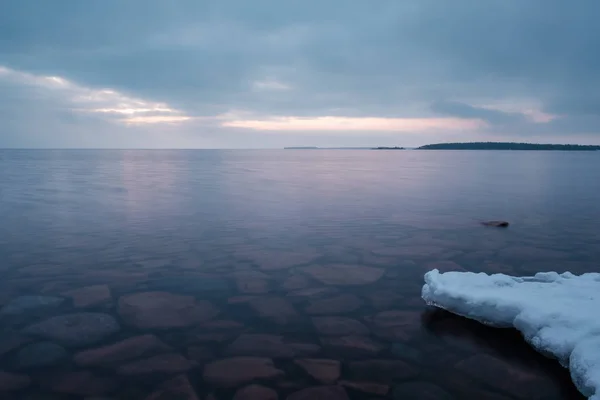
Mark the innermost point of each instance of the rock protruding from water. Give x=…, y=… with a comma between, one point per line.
x=235, y=371
x=41, y=354
x=344, y=275
x=24, y=304
x=73, y=330
x=162, y=310
x=497, y=224
x=124, y=350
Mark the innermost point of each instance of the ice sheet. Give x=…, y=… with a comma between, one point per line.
x=558, y=314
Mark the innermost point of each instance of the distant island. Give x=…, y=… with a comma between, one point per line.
x=507, y=146
x=388, y=148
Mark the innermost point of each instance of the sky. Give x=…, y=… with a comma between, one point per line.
x=269, y=74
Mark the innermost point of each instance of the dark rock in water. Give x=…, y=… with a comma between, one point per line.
x=339, y=326
x=260, y=345
x=497, y=224
x=355, y=346
x=72, y=330
x=162, y=310
x=420, y=390
x=192, y=285
x=366, y=387
x=81, y=383
x=232, y=372
x=162, y=363
x=11, y=340
x=320, y=393
x=275, y=309
x=382, y=370
x=341, y=304
x=323, y=370
x=255, y=392
x=124, y=350
x=178, y=388
x=10, y=382
x=25, y=304
x=41, y=354
x=89, y=296
x=344, y=275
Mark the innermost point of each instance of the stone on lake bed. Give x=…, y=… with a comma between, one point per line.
x=163, y=363
x=81, y=383
x=396, y=324
x=255, y=392
x=73, y=330
x=420, y=390
x=339, y=326
x=320, y=393
x=276, y=309
x=344, y=275
x=324, y=370
x=380, y=370
x=23, y=304
x=124, y=350
x=178, y=388
x=235, y=371
x=162, y=310
x=41, y=354
x=352, y=345
x=260, y=345
x=341, y=304
x=89, y=296
x=10, y=382
x=366, y=387
x=192, y=285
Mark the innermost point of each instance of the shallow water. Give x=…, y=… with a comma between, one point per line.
x=282, y=255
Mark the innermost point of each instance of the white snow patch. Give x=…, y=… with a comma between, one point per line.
x=558, y=314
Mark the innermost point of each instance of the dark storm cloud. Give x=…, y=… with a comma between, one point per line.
x=417, y=58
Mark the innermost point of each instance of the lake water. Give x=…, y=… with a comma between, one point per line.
x=164, y=273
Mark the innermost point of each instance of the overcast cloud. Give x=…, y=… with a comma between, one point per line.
x=262, y=73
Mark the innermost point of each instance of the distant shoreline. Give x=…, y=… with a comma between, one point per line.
x=508, y=146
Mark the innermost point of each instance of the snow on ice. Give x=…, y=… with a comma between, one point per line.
x=558, y=314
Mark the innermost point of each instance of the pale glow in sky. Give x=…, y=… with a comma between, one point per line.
x=355, y=124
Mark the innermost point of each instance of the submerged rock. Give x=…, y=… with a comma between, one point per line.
x=255, y=392
x=23, y=304
x=124, y=350
x=41, y=354
x=72, y=330
x=162, y=310
x=356, y=346
x=178, y=388
x=367, y=387
x=339, y=326
x=81, y=383
x=323, y=370
x=162, y=363
x=320, y=393
x=260, y=345
x=382, y=370
x=344, y=275
x=275, y=309
x=89, y=296
x=341, y=304
x=420, y=390
x=10, y=382
x=235, y=371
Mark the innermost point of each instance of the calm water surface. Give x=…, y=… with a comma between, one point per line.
x=169, y=273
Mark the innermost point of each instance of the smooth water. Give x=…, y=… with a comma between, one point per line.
x=287, y=255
